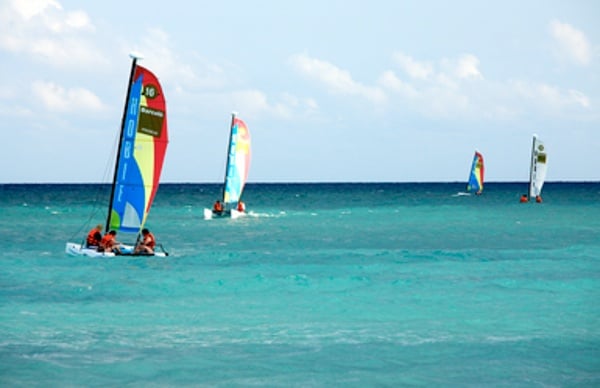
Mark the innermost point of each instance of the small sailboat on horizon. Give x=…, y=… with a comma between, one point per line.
x=538, y=167
x=475, y=180
x=140, y=155
x=236, y=172
x=476, y=174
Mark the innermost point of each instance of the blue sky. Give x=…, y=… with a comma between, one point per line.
x=331, y=90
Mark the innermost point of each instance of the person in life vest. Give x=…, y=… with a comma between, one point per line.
x=94, y=237
x=524, y=198
x=241, y=207
x=109, y=243
x=538, y=199
x=218, y=207
x=147, y=244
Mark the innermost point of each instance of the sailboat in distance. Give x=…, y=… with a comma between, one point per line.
x=140, y=155
x=476, y=173
x=236, y=172
x=537, y=169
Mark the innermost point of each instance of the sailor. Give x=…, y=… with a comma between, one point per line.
x=218, y=207
x=109, y=243
x=538, y=198
x=241, y=207
x=147, y=244
x=524, y=198
x=94, y=237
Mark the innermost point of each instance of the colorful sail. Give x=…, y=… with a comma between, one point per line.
x=537, y=171
x=238, y=161
x=476, y=175
x=142, y=152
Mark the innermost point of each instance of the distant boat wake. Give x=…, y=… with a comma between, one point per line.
x=461, y=194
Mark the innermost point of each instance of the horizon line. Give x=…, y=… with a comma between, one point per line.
x=302, y=182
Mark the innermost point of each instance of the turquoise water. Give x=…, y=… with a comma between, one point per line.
x=322, y=285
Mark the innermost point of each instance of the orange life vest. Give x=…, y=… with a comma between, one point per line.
x=149, y=241
x=107, y=241
x=218, y=207
x=91, y=237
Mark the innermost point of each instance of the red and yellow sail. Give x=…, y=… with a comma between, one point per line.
x=142, y=152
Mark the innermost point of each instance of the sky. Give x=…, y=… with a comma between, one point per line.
x=331, y=91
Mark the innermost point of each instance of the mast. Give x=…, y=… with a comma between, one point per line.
x=134, y=57
x=531, y=166
x=233, y=114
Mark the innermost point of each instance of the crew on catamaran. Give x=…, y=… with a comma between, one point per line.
x=241, y=207
x=147, y=244
x=218, y=207
x=524, y=198
x=538, y=199
x=109, y=243
x=94, y=237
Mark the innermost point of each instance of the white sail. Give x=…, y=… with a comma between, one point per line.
x=538, y=168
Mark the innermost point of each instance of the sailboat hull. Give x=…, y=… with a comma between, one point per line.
x=209, y=214
x=74, y=249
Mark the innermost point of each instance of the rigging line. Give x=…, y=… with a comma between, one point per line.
x=99, y=197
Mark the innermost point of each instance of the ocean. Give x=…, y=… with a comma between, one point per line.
x=374, y=284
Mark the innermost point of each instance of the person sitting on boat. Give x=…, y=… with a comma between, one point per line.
x=109, y=243
x=147, y=244
x=218, y=207
x=94, y=237
x=538, y=199
x=524, y=198
x=241, y=207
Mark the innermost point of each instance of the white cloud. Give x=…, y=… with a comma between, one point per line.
x=415, y=69
x=44, y=30
x=435, y=89
x=467, y=67
x=455, y=87
x=550, y=97
x=571, y=43
x=337, y=80
x=255, y=103
x=78, y=20
x=389, y=80
x=55, y=97
x=172, y=69
x=31, y=8
x=579, y=98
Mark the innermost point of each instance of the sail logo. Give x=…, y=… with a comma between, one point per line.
x=151, y=121
x=150, y=91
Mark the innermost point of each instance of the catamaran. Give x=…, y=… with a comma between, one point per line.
x=475, y=182
x=142, y=147
x=236, y=171
x=537, y=169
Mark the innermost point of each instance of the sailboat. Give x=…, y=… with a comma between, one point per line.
x=475, y=182
x=236, y=170
x=537, y=169
x=142, y=147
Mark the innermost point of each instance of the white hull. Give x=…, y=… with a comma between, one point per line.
x=73, y=249
x=208, y=214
